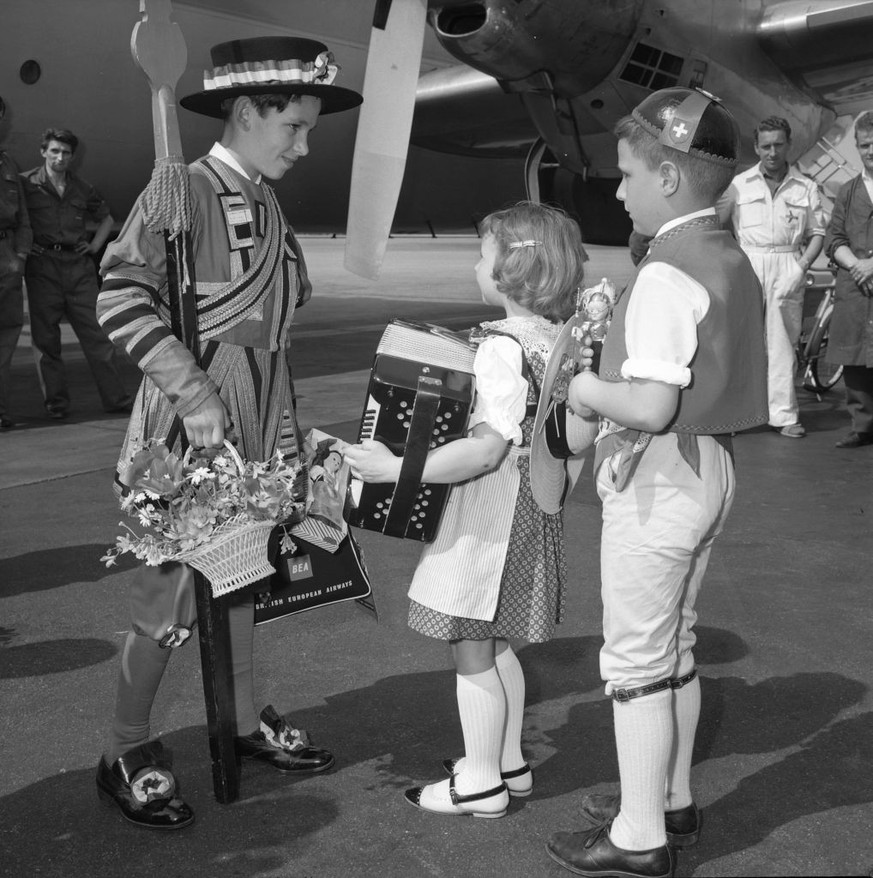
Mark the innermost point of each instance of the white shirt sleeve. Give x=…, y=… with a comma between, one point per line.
x=661, y=324
x=501, y=391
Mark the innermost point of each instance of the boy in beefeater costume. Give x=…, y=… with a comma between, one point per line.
x=250, y=274
x=683, y=367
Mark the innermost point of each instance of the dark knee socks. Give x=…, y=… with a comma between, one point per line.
x=142, y=667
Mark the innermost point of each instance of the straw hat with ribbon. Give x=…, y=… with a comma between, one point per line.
x=560, y=437
x=271, y=65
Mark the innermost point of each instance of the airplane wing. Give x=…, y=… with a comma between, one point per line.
x=562, y=72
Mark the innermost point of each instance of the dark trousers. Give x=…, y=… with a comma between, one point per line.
x=859, y=397
x=11, y=318
x=65, y=285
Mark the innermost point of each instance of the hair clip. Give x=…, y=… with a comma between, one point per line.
x=514, y=245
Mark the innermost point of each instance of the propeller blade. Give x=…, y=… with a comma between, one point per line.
x=393, y=66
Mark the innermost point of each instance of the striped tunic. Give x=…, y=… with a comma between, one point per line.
x=244, y=336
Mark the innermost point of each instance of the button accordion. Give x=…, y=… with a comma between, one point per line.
x=419, y=397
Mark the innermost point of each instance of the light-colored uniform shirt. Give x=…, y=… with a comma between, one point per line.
x=784, y=219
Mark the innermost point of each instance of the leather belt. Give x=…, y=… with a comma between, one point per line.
x=61, y=248
x=771, y=248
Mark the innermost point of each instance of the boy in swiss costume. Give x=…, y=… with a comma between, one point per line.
x=250, y=276
x=682, y=369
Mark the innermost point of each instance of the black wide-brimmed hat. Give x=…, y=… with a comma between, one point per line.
x=693, y=121
x=271, y=65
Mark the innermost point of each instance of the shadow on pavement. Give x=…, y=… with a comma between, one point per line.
x=56, y=567
x=52, y=656
x=396, y=731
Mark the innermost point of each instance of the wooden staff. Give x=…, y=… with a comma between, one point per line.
x=158, y=48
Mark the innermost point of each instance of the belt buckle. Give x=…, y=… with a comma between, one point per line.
x=621, y=696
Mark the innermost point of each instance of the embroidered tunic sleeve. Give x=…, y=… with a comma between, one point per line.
x=501, y=391
x=661, y=324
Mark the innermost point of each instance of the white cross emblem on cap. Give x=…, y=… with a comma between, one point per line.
x=679, y=131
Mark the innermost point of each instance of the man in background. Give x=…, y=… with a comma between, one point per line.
x=62, y=277
x=779, y=222
x=15, y=241
x=849, y=244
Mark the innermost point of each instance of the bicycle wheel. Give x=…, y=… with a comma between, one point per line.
x=820, y=375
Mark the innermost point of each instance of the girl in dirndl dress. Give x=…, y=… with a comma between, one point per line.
x=496, y=568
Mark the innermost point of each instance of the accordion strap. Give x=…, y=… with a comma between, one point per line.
x=424, y=412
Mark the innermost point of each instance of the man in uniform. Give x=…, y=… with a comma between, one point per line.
x=849, y=244
x=61, y=275
x=778, y=220
x=15, y=241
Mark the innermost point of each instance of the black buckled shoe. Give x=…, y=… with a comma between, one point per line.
x=592, y=853
x=284, y=748
x=519, y=782
x=140, y=784
x=682, y=825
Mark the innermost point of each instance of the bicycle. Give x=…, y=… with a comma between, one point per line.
x=818, y=375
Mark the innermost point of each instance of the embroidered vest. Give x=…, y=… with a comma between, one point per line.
x=728, y=389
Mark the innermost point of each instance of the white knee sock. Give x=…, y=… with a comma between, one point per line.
x=512, y=677
x=643, y=738
x=686, y=711
x=482, y=706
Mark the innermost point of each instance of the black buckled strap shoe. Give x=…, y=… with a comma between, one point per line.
x=284, y=748
x=519, y=782
x=140, y=784
x=682, y=825
x=592, y=853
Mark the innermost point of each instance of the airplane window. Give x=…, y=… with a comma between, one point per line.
x=652, y=68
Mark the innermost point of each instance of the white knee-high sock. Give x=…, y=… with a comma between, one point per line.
x=644, y=739
x=512, y=677
x=482, y=706
x=686, y=711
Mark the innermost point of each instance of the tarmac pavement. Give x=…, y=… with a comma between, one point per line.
x=785, y=744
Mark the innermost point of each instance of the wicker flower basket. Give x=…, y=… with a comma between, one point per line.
x=235, y=556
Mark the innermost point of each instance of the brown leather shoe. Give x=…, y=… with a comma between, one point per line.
x=284, y=748
x=140, y=784
x=855, y=440
x=592, y=853
x=682, y=825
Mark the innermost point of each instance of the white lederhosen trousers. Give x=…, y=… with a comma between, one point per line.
x=782, y=280
x=657, y=537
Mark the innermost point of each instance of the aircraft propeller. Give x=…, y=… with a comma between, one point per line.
x=384, y=126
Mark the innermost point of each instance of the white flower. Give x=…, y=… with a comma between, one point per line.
x=201, y=473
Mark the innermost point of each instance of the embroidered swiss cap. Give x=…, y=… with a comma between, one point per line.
x=692, y=121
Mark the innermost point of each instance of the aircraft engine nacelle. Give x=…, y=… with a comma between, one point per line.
x=581, y=41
